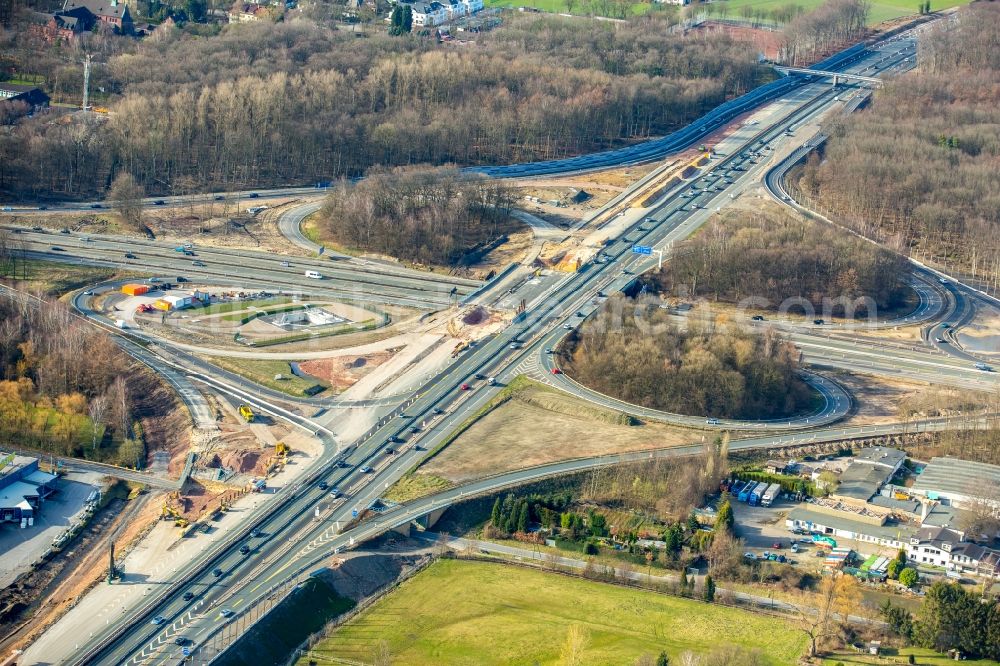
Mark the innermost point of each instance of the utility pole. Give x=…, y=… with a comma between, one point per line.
x=86, y=82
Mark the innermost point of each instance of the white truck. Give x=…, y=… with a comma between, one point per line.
x=316, y=275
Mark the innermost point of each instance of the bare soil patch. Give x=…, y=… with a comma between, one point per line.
x=539, y=426
x=884, y=400
x=343, y=372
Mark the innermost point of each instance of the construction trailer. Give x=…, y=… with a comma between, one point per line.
x=758, y=493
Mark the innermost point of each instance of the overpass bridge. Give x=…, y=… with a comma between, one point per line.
x=836, y=76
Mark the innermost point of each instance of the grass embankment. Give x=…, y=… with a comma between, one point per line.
x=460, y=612
x=273, y=639
x=243, y=316
x=236, y=306
x=263, y=372
x=412, y=486
x=53, y=277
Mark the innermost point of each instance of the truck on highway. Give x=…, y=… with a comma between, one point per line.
x=770, y=494
x=246, y=413
x=316, y=275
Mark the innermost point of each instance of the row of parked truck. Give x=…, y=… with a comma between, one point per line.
x=756, y=493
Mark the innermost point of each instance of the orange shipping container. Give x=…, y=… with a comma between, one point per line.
x=161, y=305
x=134, y=289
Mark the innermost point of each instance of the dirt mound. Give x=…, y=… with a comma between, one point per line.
x=343, y=372
x=475, y=317
x=240, y=460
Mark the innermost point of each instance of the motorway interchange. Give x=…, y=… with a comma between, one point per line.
x=281, y=542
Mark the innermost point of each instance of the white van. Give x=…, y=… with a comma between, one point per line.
x=316, y=275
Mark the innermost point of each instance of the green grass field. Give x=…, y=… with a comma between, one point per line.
x=239, y=306
x=263, y=373
x=460, y=612
x=580, y=7
x=881, y=10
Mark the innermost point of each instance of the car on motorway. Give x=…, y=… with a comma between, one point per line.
x=334, y=493
x=226, y=613
x=556, y=371
x=983, y=367
x=95, y=206
x=818, y=322
x=217, y=572
x=465, y=387
x=515, y=345
x=188, y=596
x=712, y=421
x=180, y=640
x=285, y=264
x=219, y=197
x=365, y=469
x=198, y=263
x=254, y=533
x=389, y=451
x=159, y=202
x=89, y=292
x=181, y=278
x=154, y=280
x=940, y=341
x=64, y=231
x=414, y=429
x=480, y=375
x=568, y=327
x=580, y=314
x=438, y=410
x=56, y=248
x=158, y=620
x=129, y=255
x=37, y=229
x=757, y=318
x=549, y=350
x=323, y=485
x=244, y=549
x=943, y=280
x=343, y=464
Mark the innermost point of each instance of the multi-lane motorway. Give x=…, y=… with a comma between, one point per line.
x=289, y=538
x=294, y=539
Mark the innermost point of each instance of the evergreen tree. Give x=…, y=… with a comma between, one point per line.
x=692, y=524
x=674, y=537
x=724, y=521
x=407, y=21
x=709, y=589
x=522, y=518
x=495, y=514
x=684, y=581
x=663, y=660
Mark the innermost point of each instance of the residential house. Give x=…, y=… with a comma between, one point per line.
x=19, y=100
x=109, y=12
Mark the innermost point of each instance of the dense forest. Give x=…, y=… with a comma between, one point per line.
x=64, y=386
x=920, y=169
x=702, y=370
x=772, y=256
x=428, y=216
x=294, y=102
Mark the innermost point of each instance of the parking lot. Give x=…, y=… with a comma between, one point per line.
x=19, y=548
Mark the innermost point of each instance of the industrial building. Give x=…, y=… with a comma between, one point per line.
x=961, y=483
x=22, y=488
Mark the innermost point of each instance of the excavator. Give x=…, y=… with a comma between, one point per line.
x=169, y=512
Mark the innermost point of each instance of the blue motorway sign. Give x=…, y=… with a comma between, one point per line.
x=642, y=249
